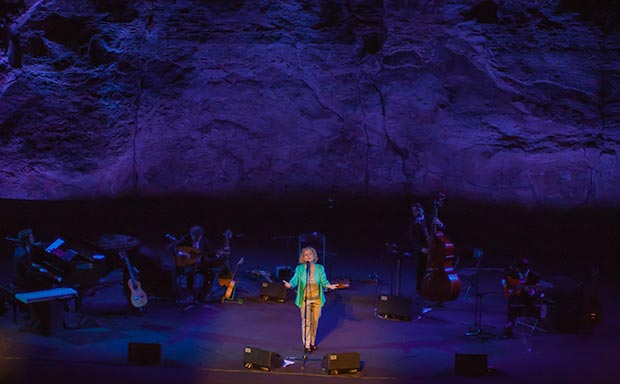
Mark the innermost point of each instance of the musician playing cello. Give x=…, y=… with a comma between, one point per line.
x=518, y=281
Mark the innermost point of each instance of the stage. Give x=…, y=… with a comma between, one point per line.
x=207, y=342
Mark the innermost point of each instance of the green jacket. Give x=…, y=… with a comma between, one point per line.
x=299, y=278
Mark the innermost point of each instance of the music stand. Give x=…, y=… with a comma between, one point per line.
x=398, y=253
x=476, y=329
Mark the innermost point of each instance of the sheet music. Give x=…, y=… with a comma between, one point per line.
x=57, y=243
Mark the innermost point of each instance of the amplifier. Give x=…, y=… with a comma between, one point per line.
x=470, y=364
x=394, y=307
x=336, y=363
x=257, y=358
x=273, y=291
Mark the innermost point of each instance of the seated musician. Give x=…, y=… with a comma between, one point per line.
x=518, y=283
x=29, y=276
x=197, y=247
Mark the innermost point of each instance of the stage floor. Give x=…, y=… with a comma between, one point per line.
x=205, y=343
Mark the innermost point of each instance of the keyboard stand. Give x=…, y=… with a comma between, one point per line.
x=48, y=303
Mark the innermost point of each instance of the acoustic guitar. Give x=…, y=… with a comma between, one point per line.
x=231, y=284
x=515, y=287
x=187, y=255
x=137, y=296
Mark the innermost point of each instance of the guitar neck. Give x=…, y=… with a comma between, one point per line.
x=129, y=269
x=237, y=267
x=235, y=272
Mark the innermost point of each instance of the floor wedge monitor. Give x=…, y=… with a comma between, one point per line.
x=337, y=363
x=257, y=358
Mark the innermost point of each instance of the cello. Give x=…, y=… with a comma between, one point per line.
x=441, y=282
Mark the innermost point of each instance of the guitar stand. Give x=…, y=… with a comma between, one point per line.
x=232, y=297
x=233, y=294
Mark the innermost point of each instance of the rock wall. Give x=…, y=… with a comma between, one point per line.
x=504, y=102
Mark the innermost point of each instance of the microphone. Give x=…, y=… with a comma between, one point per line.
x=171, y=237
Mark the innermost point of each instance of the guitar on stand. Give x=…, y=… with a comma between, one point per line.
x=226, y=278
x=137, y=297
x=231, y=288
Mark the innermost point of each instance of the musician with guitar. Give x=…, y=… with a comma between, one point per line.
x=192, y=256
x=310, y=280
x=519, y=284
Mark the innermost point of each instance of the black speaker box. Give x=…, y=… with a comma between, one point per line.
x=144, y=353
x=470, y=364
x=336, y=363
x=566, y=309
x=273, y=291
x=394, y=307
x=257, y=358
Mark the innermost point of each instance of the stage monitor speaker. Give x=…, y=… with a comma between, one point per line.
x=470, y=364
x=337, y=363
x=273, y=291
x=257, y=358
x=394, y=307
x=144, y=353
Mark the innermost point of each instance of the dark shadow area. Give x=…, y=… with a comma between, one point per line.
x=573, y=239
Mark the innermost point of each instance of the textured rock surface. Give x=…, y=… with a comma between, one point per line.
x=511, y=102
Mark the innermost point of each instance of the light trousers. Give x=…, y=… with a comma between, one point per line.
x=310, y=323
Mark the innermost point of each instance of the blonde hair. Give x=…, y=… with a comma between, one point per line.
x=315, y=257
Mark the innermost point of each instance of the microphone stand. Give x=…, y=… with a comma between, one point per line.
x=306, y=315
x=177, y=284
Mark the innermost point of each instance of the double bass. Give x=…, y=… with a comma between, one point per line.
x=441, y=282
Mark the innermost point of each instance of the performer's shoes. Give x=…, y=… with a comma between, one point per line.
x=314, y=347
x=307, y=350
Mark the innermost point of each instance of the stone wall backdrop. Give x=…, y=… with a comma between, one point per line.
x=491, y=101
